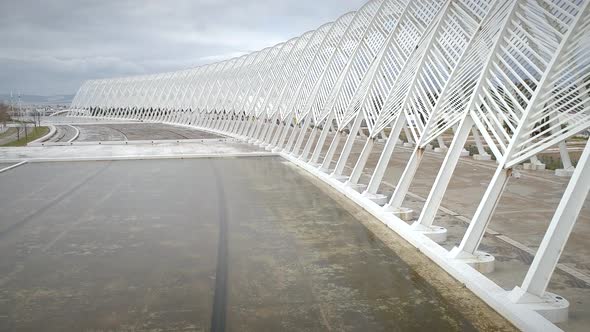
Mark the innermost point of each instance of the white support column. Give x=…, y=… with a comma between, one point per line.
x=327, y=162
x=309, y=143
x=410, y=141
x=535, y=164
x=476, y=230
x=256, y=132
x=213, y=121
x=282, y=128
x=322, y=139
x=195, y=124
x=281, y=142
x=568, y=167
x=565, y=156
x=197, y=120
x=482, y=154
x=273, y=126
x=535, y=283
x=219, y=121
x=381, y=167
x=210, y=120
x=200, y=120
x=362, y=133
x=253, y=128
x=348, y=146
x=223, y=123
x=467, y=249
x=243, y=124
x=361, y=162
x=206, y=119
x=464, y=152
x=403, y=186
x=260, y=137
x=302, y=133
x=236, y=125
x=245, y=127
x=294, y=133
x=229, y=122
x=267, y=126
x=443, y=178
x=442, y=146
x=248, y=124
x=268, y=135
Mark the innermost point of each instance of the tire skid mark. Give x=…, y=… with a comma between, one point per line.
x=82, y=219
x=50, y=204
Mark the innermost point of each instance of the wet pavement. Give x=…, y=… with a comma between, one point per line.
x=155, y=150
x=242, y=244
x=139, y=131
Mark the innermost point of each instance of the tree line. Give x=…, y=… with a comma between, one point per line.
x=4, y=115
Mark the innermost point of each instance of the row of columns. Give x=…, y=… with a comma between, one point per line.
x=289, y=138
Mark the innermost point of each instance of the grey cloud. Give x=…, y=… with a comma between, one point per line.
x=50, y=47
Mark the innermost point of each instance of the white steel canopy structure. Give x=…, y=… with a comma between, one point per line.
x=512, y=74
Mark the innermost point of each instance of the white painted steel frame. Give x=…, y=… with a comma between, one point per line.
x=514, y=74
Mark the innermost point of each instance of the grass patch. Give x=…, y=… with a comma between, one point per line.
x=473, y=150
x=33, y=134
x=9, y=132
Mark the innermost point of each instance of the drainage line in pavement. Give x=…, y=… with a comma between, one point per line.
x=13, y=166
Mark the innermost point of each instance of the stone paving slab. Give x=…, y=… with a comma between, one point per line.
x=207, y=147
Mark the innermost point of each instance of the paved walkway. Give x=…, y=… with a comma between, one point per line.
x=248, y=244
x=132, y=151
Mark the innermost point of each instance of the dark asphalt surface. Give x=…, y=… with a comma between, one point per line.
x=62, y=134
x=139, y=131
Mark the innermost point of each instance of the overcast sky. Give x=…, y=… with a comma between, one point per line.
x=51, y=46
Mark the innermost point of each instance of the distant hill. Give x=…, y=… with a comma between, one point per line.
x=39, y=100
